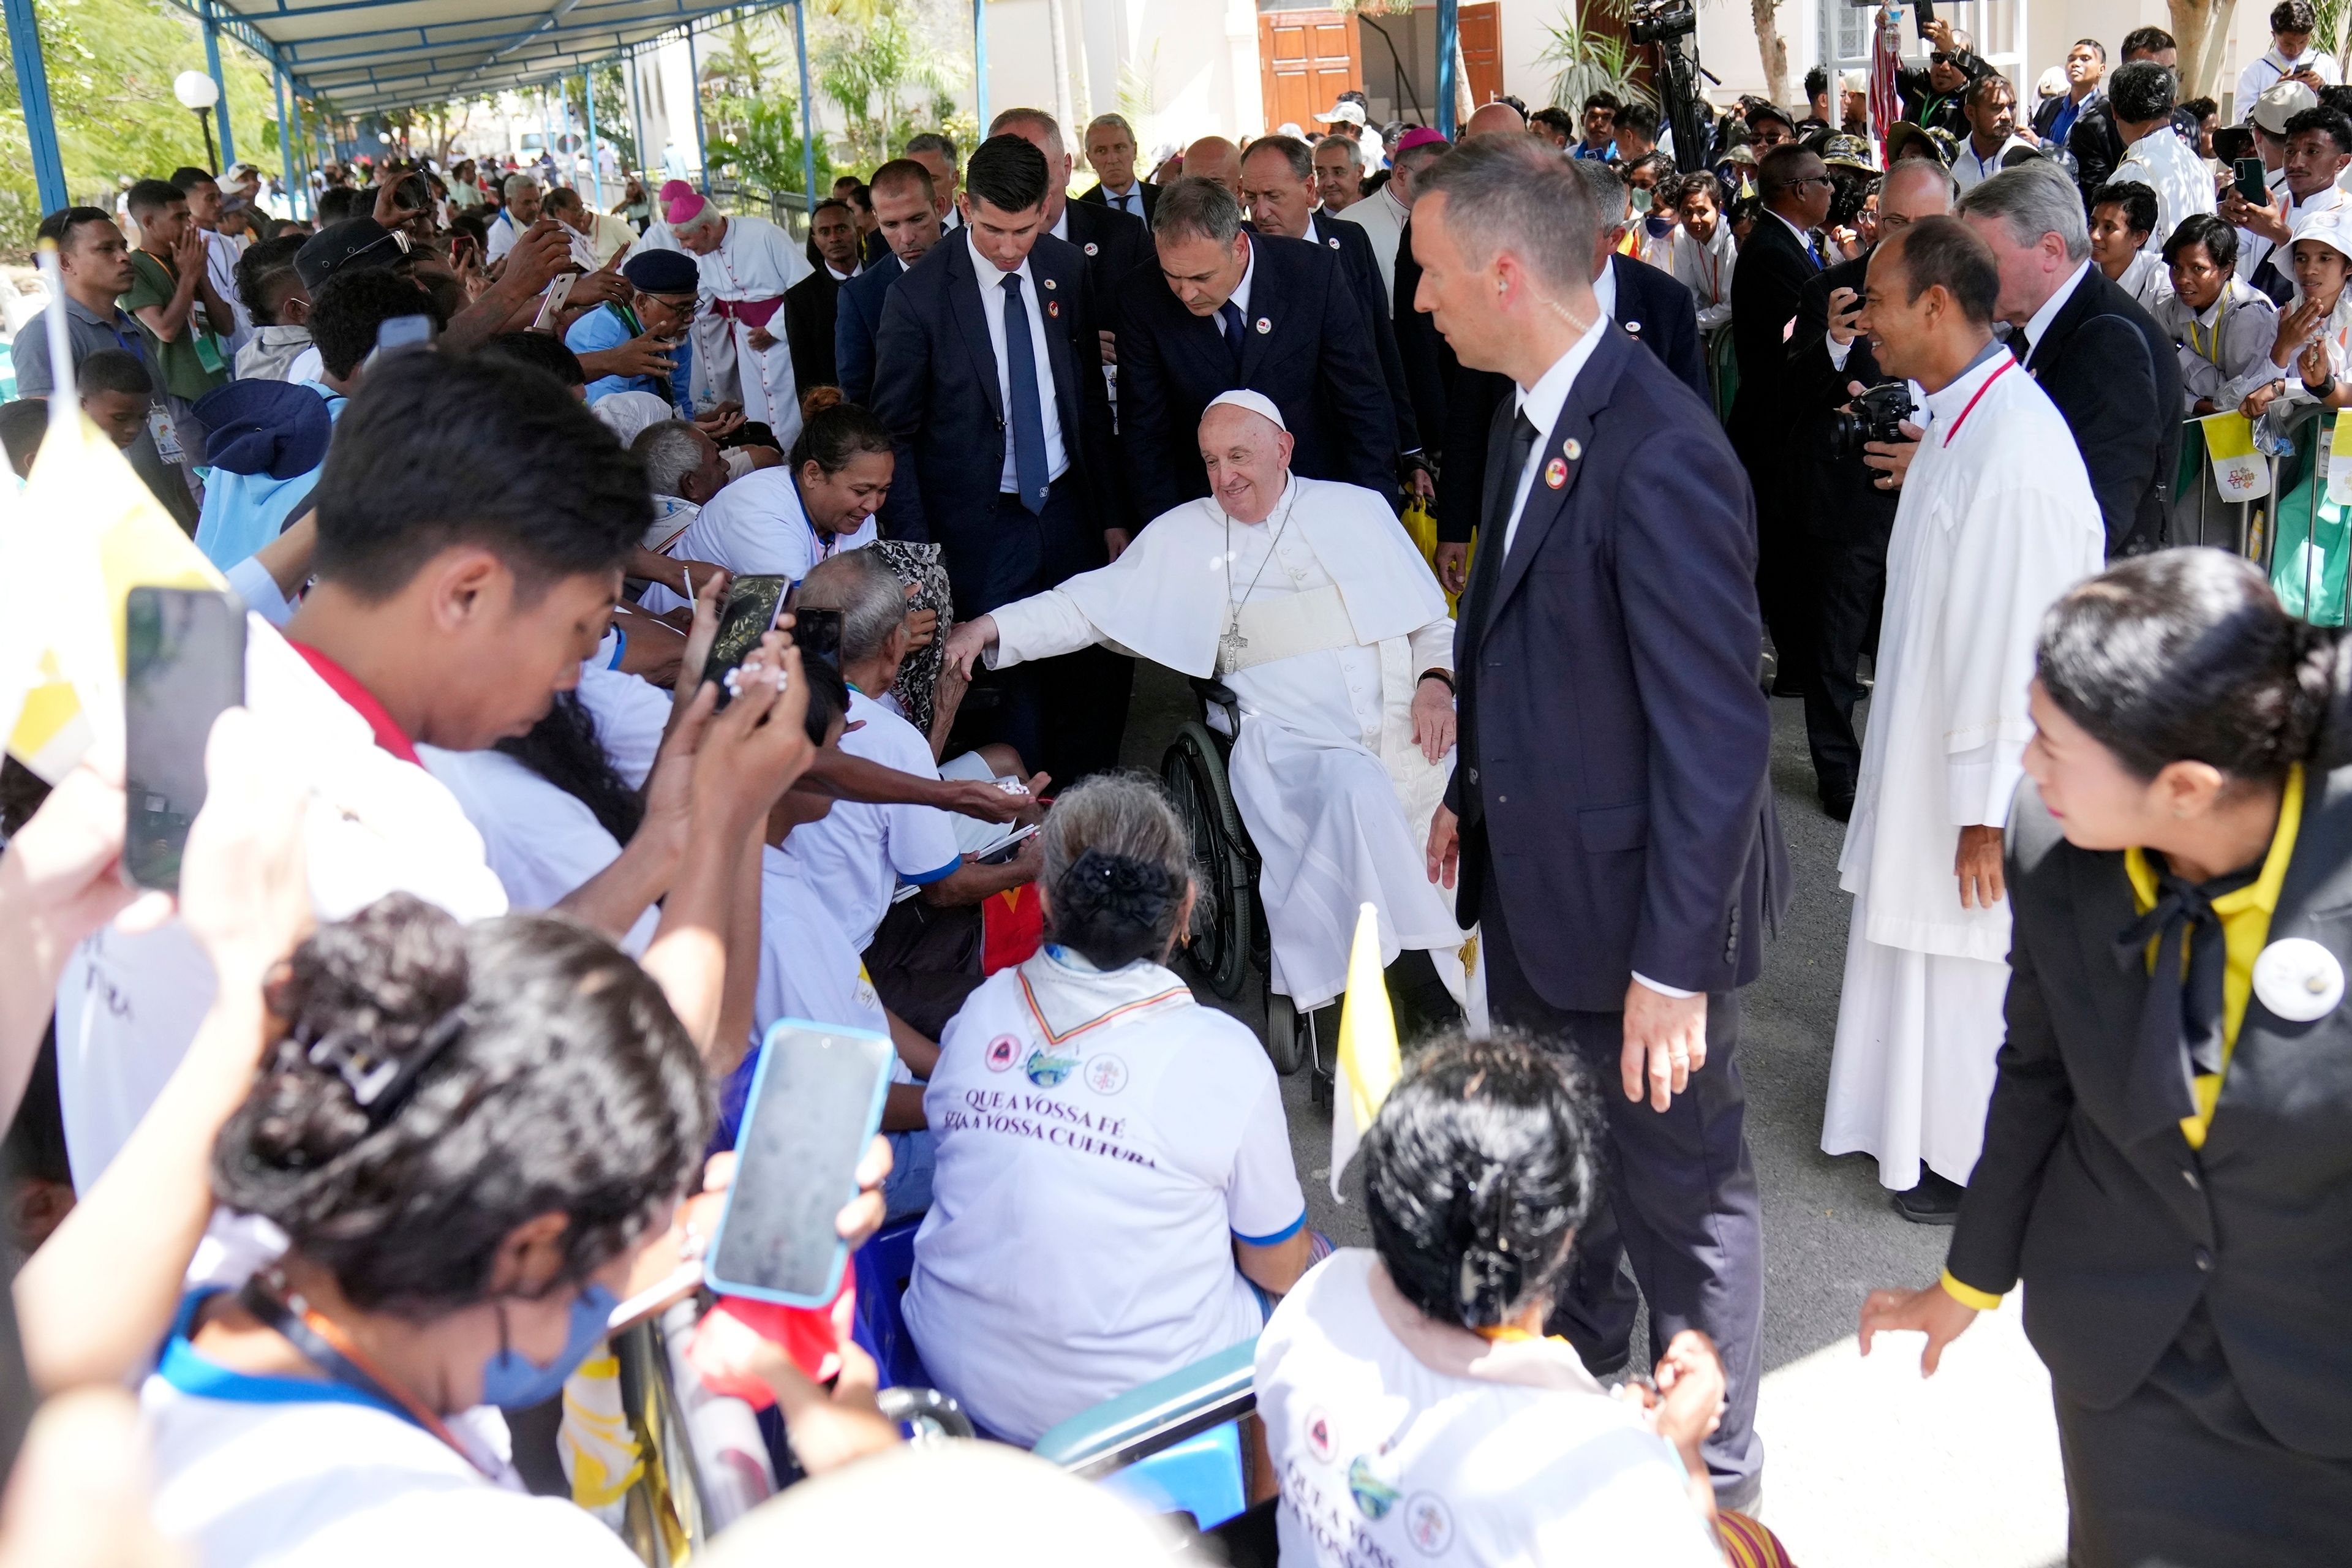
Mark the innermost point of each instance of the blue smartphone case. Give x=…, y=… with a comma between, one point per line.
x=752, y=1110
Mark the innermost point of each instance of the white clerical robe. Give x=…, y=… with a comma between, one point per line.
x=753, y=261
x=1996, y=520
x=1336, y=795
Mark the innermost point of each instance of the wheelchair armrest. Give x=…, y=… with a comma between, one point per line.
x=1211, y=690
x=1164, y=1412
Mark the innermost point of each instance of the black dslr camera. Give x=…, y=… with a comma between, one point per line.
x=1876, y=415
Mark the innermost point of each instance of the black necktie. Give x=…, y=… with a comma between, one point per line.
x=2019, y=344
x=2181, y=1018
x=1523, y=441
x=1231, y=314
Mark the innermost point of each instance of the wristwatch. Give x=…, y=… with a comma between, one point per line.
x=2324, y=390
x=1444, y=675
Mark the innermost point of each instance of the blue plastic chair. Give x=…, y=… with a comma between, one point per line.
x=1199, y=1473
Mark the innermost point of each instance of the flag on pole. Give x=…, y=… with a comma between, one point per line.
x=1369, y=1061
x=81, y=533
x=1885, y=59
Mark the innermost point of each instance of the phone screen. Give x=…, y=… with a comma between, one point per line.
x=816, y=1102
x=398, y=333
x=817, y=634
x=184, y=663
x=753, y=604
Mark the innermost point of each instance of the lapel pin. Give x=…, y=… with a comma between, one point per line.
x=1263, y=325
x=1093, y=249
x=1554, y=473
x=1049, y=283
x=1635, y=327
x=1571, y=448
x=1052, y=307
x=1334, y=244
x=2299, y=980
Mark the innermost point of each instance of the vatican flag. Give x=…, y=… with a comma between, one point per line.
x=1369, y=1061
x=80, y=533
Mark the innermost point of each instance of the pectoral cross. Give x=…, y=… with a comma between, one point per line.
x=1232, y=642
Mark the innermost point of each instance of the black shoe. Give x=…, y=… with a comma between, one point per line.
x=1786, y=685
x=1840, y=804
x=1933, y=1201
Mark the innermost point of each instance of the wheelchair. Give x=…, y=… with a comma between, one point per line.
x=1229, y=930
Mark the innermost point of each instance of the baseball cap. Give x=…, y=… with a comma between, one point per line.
x=1903, y=134
x=353, y=245
x=1854, y=81
x=1347, y=110
x=2280, y=103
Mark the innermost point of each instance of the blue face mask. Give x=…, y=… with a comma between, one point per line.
x=512, y=1381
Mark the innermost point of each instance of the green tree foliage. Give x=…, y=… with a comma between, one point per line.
x=750, y=117
x=111, y=64
x=887, y=84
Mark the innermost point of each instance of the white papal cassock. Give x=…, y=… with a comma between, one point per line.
x=1996, y=520
x=743, y=283
x=1338, y=615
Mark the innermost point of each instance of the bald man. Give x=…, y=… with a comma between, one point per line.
x=1214, y=158
x=1495, y=118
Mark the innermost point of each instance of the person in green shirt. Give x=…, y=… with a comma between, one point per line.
x=176, y=306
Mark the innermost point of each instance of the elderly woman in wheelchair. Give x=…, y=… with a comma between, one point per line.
x=1115, y=1197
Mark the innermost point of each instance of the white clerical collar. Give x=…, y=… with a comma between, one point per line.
x=2040, y=322
x=1604, y=288
x=1389, y=190
x=1946, y=404
x=991, y=274
x=1542, y=402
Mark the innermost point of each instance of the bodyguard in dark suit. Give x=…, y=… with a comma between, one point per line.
x=1143, y=194
x=1277, y=178
x=1780, y=256
x=1609, y=814
x=1220, y=309
x=1110, y=150
x=989, y=378
x=1430, y=368
x=2168, y=1154
x=1845, y=516
x=907, y=208
x=1666, y=322
x=1654, y=307
x=2110, y=369
x=1113, y=243
x=810, y=305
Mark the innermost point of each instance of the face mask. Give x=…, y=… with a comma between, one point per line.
x=1640, y=198
x=512, y=1381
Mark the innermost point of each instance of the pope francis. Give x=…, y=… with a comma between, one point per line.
x=1307, y=600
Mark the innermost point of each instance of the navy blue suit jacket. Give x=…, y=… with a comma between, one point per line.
x=1352, y=244
x=1315, y=359
x=935, y=387
x=1114, y=244
x=858, y=314
x=1657, y=308
x=1615, y=739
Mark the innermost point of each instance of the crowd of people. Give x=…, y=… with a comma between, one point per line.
x=346, y=1157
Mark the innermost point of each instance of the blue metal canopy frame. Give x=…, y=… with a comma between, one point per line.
x=357, y=58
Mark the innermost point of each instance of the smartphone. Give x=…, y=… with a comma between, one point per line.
x=1925, y=16
x=2231, y=142
x=817, y=634
x=815, y=1104
x=752, y=604
x=395, y=334
x=461, y=246
x=551, y=307
x=2247, y=175
x=184, y=665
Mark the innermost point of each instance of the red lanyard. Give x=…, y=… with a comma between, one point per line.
x=2007, y=366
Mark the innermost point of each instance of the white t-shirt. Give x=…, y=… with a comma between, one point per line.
x=253, y=1472
x=1397, y=1439
x=755, y=524
x=632, y=714
x=807, y=968
x=1096, y=1164
x=543, y=843
x=858, y=854
x=129, y=1005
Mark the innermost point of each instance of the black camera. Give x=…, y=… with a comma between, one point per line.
x=1661, y=21
x=1876, y=415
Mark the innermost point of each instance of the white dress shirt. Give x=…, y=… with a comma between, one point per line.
x=1968, y=171
x=2039, y=322
x=991, y=305
x=1240, y=297
x=1129, y=201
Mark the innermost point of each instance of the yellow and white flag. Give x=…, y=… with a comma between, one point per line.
x=80, y=534
x=1369, y=1061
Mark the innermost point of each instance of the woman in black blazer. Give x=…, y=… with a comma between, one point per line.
x=2167, y=1156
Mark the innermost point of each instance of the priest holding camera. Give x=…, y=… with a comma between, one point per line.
x=1996, y=520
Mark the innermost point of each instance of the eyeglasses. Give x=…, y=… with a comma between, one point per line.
x=1807, y=180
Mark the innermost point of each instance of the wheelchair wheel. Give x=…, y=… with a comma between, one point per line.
x=1195, y=773
x=1286, y=1045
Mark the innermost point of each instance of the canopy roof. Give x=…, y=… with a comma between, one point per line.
x=369, y=54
